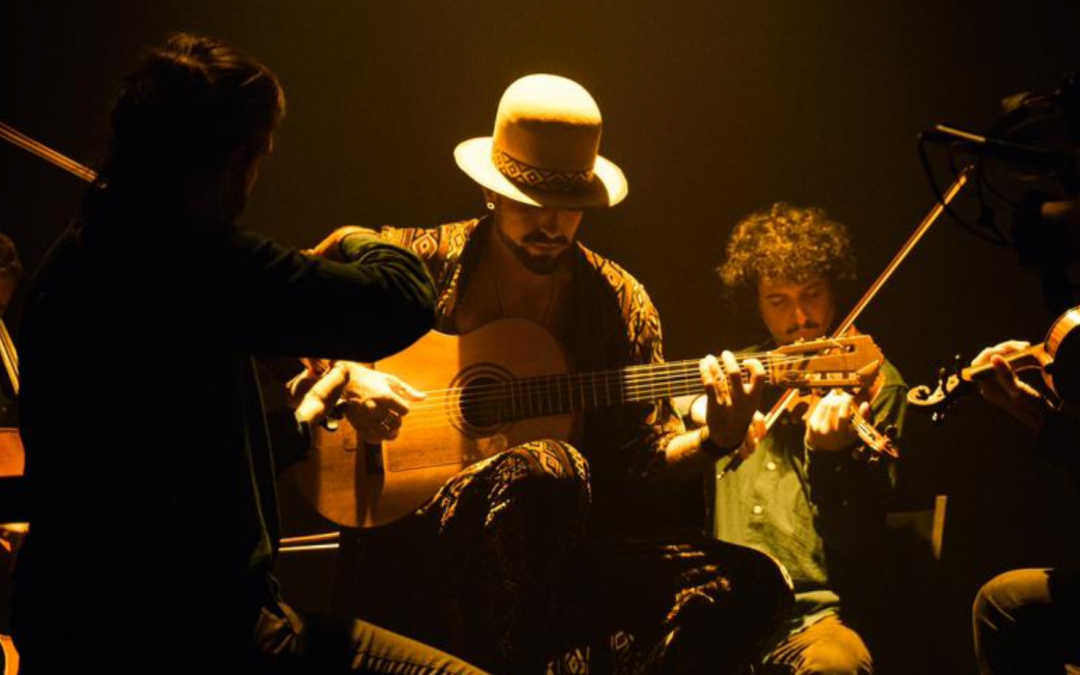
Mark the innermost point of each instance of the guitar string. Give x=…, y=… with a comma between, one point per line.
x=540, y=401
x=635, y=378
x=576, y=386
x=638, y=382
x=645, y=371
x=426, y=419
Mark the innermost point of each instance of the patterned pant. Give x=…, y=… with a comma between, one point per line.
x=495, y=569
x=475, y=570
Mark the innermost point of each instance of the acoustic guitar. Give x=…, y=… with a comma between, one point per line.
x=505, y=384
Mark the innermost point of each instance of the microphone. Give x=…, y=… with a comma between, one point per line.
x=1026, y=154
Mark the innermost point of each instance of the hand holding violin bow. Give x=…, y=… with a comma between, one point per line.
x=842, y=418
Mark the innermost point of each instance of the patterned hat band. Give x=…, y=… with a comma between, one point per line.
x=533, y=177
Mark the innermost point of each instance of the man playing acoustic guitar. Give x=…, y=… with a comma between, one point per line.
x=502, y=544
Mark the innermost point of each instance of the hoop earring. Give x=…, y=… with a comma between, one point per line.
x=490, y=206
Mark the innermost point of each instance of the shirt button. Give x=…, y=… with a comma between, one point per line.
x=757, y=509
x=771, y=466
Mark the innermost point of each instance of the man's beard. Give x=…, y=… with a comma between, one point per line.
x=808, y=326
x=537, y=264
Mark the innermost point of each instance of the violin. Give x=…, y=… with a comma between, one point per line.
x=877, y=443
x=1057, y=358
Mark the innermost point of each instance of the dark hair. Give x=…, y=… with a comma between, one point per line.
x=186, y=108
x=787, y=243
x=10, y=265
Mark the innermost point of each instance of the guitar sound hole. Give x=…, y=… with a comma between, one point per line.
x=481, y=403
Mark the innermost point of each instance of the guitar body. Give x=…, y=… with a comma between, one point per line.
x=362, y=485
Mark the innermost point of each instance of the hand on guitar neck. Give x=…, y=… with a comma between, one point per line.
x=729, y=402
x=834, y=421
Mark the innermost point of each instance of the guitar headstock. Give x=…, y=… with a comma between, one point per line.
x=826, y=363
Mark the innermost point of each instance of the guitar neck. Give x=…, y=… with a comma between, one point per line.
x=578, y=392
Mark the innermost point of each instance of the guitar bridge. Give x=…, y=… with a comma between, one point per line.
x=373, y=457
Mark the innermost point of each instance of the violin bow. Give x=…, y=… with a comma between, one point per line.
x=19, y=139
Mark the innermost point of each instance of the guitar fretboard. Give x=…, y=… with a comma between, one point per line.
x=547, y=395
x=577, y=392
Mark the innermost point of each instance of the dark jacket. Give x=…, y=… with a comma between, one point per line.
x=148, y=451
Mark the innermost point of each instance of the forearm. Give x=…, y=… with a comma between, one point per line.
x=331, y=248
x=691, y=454
x=279, y=302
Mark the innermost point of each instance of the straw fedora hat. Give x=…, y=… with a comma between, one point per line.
x=544, y=151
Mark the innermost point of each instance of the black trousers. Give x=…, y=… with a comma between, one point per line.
x=661, y=607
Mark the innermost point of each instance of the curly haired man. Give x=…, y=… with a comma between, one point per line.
x=806, y=494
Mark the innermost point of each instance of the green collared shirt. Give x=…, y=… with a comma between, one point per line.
x=820, y=514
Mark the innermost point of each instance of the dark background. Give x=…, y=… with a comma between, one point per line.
x=712, y=110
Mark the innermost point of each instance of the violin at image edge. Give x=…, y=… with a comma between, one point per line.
x=1056, y=358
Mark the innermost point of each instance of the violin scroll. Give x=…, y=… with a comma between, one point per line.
x=950, y=386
